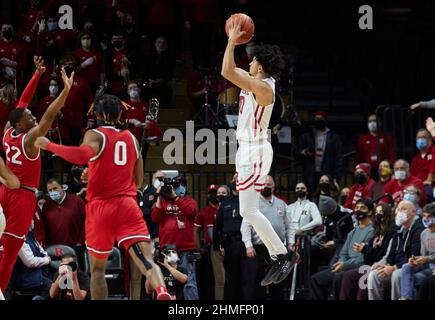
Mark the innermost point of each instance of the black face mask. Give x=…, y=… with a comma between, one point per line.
x=221, y=198
x=213, y=199
x=361, y=215
x=267, y=192
x=324, y=187
x=7, y=34
x=68, y=70
x=118, y=44
x=360, y=178
x=379, y=218
x=300, y=194
x=343, y=199
x=319, y=124
x=76, y=173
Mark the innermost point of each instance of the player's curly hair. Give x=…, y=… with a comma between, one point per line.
x=109, y=107
x=270, y=57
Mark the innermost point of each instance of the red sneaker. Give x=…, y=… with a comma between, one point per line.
x=163, y=296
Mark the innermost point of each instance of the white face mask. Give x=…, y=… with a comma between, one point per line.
x=134, y=94
x=372, y=126
x=172, y=258
x=54, y=90
x=400, y=175
x=157, y=183
x=401, y=218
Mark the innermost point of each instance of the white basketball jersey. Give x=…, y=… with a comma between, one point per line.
x=253, y=120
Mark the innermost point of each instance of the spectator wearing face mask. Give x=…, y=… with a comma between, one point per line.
x=50, y=36
x=13, y=55
x=348, y=258
x=413, y=194
x=344, y=193
x=373, y=252
x=89, y=62
x=273, y=209
x=320, y=152
x=119, y=65
x=223, y=193
x=405, y=244
x=203, y=221
x=423, y=163
x=402, y=179
x=337, y=224
x=159, y=70
x=372, y=143
x=175, y=213
x=63, y=216
x=420, y=267
x=136, y=117
x=325, y=188
x=362, y=184
x=384, y=174
x=175, y=276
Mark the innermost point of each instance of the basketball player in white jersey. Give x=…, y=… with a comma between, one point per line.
x=254, y=155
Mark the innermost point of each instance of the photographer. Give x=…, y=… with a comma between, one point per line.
x=69, y=282
x=175, y=214
x=175, y=277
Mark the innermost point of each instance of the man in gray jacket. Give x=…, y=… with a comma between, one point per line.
x=321, y=282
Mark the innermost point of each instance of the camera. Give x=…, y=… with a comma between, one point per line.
x=169, y=184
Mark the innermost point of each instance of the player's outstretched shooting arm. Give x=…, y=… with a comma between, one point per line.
x=262, y=91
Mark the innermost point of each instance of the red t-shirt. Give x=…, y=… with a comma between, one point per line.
x=176, y=221
x=366, y=149
x=358, y=191
x=396, y=191
x=205, y=219
x=422, y=166
x=118, y=157
x=92, y=72
x=60, y=37
x=138, y=111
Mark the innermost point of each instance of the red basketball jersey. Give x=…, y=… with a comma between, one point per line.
x=28, y=170
x=111, y=171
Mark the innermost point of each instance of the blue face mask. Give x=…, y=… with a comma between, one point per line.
x=428, y=222
x=55, y=196
x=421, y=143
x=180, y=191
x=52, y=26
x=409, y=197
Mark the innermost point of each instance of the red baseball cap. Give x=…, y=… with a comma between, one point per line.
x=212, y=187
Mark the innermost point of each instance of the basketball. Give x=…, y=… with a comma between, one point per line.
x=247, y=25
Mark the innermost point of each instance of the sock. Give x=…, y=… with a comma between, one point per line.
x=162, y=293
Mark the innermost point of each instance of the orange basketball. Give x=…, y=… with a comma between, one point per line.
x=247, y=25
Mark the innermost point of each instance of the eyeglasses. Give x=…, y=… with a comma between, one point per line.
x=409, y=191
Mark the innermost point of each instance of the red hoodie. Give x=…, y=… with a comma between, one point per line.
x=175, y=221
x=358, y=191
x=396, y=190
